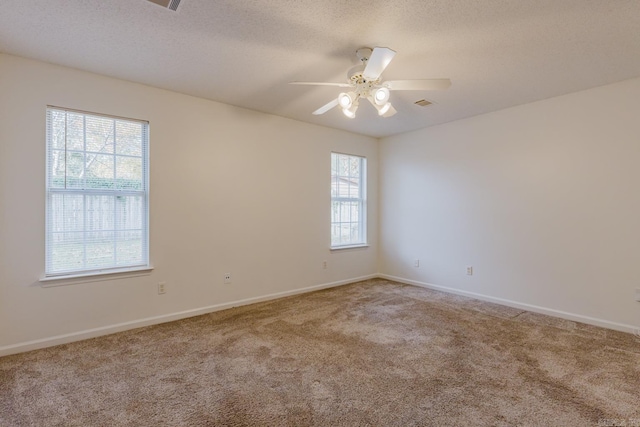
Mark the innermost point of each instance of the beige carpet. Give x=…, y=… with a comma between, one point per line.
x=372, y=353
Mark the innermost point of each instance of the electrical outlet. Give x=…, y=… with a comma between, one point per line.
x=227, y=278
x=469, y=270
x=416, y=263
x=162, y=288
x=324, y=264
x=638, y=294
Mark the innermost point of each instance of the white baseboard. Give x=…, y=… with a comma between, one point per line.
x=111, y=329
x=528, y=307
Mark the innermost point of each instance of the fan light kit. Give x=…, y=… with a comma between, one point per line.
x=365, y=81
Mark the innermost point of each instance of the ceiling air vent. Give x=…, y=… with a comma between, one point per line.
x=423, y=103
x=169, y=4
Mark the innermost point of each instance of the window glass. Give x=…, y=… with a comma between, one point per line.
x=348, y=202
x=97, y=195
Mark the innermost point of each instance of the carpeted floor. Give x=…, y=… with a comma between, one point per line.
x=372, y=353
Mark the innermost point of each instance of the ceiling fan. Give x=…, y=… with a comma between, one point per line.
x=365, y=81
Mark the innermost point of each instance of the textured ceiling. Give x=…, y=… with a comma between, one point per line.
x=497, y=53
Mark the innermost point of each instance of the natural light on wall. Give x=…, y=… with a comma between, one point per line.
x=348, y=200
x=97, y=193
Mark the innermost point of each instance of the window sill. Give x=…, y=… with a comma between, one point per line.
x=342, y=248
x=95, y=276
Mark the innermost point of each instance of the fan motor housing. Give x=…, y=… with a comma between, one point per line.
x=354, y=74
x=364, y=53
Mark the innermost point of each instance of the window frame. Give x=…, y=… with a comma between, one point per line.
x=361, y=200
x=115, y=269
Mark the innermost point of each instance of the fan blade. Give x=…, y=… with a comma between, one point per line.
x=392, y=111
x=426, y=84
x=321, y=84
x=326, y=107
x=378, y=61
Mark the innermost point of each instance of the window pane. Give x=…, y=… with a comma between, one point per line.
x=354, y=167
x=57, y=168
x=343, y=165
x=100, y=213
x=335, y=212
x=130, y=212
x=75, y=170
x=129, y=138
x=355, y=232
x=334, y=174
x=67, y=251
x=354, y=188
x=67, y=212
x=345, y=212
x=354, y=211
x=345, y=232
x=100, y=134
x=99, y=171
x=129, y=249
x=129, y=173
x=75, y=131
x=343, y=187
x=100, y=249
x=58, y=129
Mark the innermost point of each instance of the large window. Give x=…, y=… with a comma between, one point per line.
x=97, y=193
x=348, y=200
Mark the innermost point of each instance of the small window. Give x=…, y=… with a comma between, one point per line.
x=97, y=193
x=348, y=200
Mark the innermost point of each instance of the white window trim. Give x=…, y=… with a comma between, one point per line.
x=346, y=247
x=363, y=210
x=84, y=276
x=95, y=276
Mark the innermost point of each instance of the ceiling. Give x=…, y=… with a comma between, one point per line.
x=497, y=53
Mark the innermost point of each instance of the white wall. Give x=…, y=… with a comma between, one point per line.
x=543, y=200
x=232, y=190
